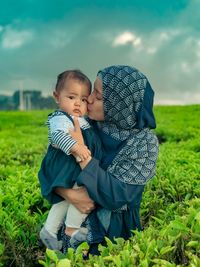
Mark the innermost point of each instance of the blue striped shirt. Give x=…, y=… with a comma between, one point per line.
x=58, y=130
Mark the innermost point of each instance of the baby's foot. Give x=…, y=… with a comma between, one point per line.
x=49, y=240
x=78, y=237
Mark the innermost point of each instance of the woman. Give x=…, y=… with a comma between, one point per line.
x=121, y=108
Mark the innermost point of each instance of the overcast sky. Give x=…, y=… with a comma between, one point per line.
x=41, y=38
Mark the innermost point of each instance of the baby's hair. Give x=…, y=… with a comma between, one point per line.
x=72, y=74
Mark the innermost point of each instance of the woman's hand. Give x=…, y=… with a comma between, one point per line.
x=78, y=197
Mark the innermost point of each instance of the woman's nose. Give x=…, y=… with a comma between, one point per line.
x=90, y=98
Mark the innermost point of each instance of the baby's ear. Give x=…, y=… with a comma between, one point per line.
x=55, y=95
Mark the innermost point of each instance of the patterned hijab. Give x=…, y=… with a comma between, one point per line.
x=128, y=104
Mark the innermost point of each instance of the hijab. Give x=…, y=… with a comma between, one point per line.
x=128, y=112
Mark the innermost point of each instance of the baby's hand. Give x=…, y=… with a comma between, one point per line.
x=80, y=151
x=76, y=134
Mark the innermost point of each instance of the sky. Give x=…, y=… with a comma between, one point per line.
x=41, y=38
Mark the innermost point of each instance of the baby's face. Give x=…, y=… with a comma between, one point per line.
x=72, y=98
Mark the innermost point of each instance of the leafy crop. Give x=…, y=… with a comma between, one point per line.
x=170, y=210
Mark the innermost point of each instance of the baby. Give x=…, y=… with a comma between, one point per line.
x=59, y=167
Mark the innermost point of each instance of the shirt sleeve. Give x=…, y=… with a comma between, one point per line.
x=59, y=133
x=62, y=141
x=108, y=191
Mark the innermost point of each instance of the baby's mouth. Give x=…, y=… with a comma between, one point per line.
x=77, y=111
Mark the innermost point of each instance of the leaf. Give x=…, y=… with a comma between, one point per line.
x=109, y=243
x=51, y=255
x=163, y=263
x=144, y=263
x=137, y=248
x=64, y=263
x=70, y=253
x=117, y=261
x=179, y=226
x=82, y=247
x=158, y=220
x=197, y=217
x=193, y=244
x=166, y=250
x=108, y=258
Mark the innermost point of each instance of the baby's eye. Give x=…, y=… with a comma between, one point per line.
x=84, y=100
x=71, y=97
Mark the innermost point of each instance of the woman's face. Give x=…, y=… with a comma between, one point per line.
x=95, y=102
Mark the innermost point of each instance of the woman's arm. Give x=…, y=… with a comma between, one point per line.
x=78, y=197
x=105, y=189
x=102, y=187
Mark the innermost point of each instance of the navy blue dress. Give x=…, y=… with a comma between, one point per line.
x=110, y=193
x=61, y=170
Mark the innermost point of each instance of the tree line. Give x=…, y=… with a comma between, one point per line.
x=26, y=100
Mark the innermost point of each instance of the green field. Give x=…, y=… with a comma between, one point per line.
x=170, y=209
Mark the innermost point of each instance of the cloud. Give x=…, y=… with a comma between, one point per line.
x=198, y=49
x=159, y=39
x=185, y=67
x=149, y=43
x=60, y=38
x=163, y=42
x=127, y=37
x=170, y=57
x=190, y=51
x=54, y=35
x=169, y=101
x=12, y=38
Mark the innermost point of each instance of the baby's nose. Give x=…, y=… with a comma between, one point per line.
x=78, y=102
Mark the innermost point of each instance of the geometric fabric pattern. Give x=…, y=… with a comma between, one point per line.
x=123, y=96
x=136, y=162
x=123, y=93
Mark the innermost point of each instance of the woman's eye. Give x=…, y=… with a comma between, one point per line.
x=99, y=97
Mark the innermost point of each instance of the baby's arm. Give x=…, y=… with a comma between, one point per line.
x=60, y=137
x=80, y=152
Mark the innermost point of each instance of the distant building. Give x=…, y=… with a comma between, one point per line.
x=26, y=100
x=6, y=102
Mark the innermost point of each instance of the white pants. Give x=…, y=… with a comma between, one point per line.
x=63, y=212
